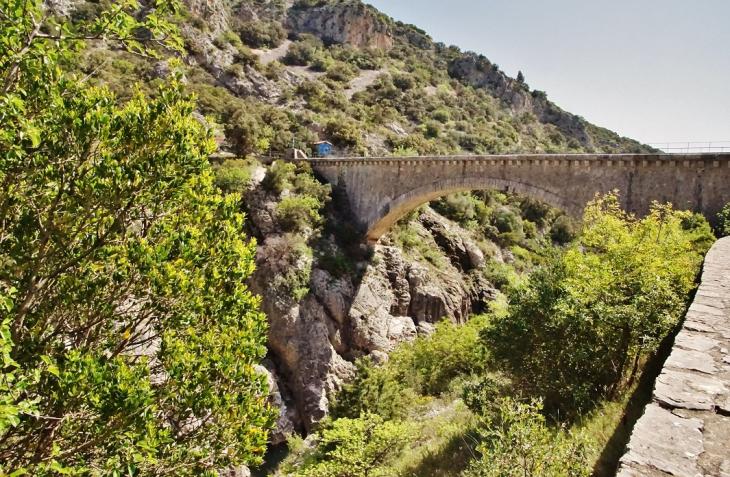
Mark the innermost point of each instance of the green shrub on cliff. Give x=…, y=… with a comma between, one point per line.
x=261, y=34
x=233, y=176
x=298, y=213
x=129, y=336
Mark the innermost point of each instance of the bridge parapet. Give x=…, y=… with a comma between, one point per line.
x=630, y=160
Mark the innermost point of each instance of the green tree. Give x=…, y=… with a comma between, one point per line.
x=129, y=340
x=359, y=447
x=519, y=444
x=564, y=230
x=580, y=325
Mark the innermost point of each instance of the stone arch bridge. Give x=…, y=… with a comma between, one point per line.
x=381, y=190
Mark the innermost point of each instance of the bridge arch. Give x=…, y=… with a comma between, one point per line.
x=392, y=210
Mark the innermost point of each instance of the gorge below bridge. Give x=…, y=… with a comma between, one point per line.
x=381, y=190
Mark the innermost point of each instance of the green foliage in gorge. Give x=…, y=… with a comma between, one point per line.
x=298, y=213
x=519, y=444
x=430, y=363
x=380, y=390
x=427, y=367
x=564, y=230
x=233, y=176
x=126, y=328
x=724, y=221
x=578, y=327
x=361, y=447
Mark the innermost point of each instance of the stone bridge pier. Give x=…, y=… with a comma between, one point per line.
x=382, y=190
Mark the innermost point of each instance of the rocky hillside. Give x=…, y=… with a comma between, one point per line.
x=274, y=74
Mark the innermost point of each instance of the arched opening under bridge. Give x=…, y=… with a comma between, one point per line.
x=393, y=210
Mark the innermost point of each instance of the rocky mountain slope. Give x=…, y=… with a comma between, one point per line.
x=275, y=74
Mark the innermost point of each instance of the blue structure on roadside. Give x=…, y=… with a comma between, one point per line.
x=322, y=148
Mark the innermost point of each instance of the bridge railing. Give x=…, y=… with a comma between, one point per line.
x=692, y=147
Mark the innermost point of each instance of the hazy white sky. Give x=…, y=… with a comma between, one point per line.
x=652, y=70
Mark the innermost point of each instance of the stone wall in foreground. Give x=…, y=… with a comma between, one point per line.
x=685, y=430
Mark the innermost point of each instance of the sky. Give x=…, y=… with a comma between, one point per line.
x=653, y=70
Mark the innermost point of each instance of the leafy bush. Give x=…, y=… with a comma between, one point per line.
x=500, y=275
x=463, y=207
x=535, y=211
x=279, y=176
x=509, y=222
x=508, y=239
x=519, y=444
x=431, y=362
x=530, y=229
x=380, y=390
x=724, y=221
x=441, y=115
x=358, y=447
x=289, y=264
x=564, y=230
x=261, y=34
x=404, y=152
x=579, y=326
x=341, y=72
x=700, y=231
x=296, y=214
x=304, y=51
x=233, y=176
x=345, y=132
x=483, y=395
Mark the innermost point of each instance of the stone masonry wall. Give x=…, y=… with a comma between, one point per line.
x=685, y=430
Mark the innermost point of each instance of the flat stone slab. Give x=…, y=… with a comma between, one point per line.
x=691, y=361
x=696, y=341
x=678, y=389
x=666, y=442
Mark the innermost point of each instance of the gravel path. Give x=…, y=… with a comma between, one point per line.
x=267, y=56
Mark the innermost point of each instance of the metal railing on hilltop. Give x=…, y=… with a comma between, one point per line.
x=692, y=147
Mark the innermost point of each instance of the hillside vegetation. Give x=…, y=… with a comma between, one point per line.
x=350, y=75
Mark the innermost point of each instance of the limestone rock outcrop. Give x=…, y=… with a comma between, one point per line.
x=353, y=24
x=481, y=73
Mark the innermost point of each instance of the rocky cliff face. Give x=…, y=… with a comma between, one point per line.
x=393, y=298
x=357, y=25
x=479, y=72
